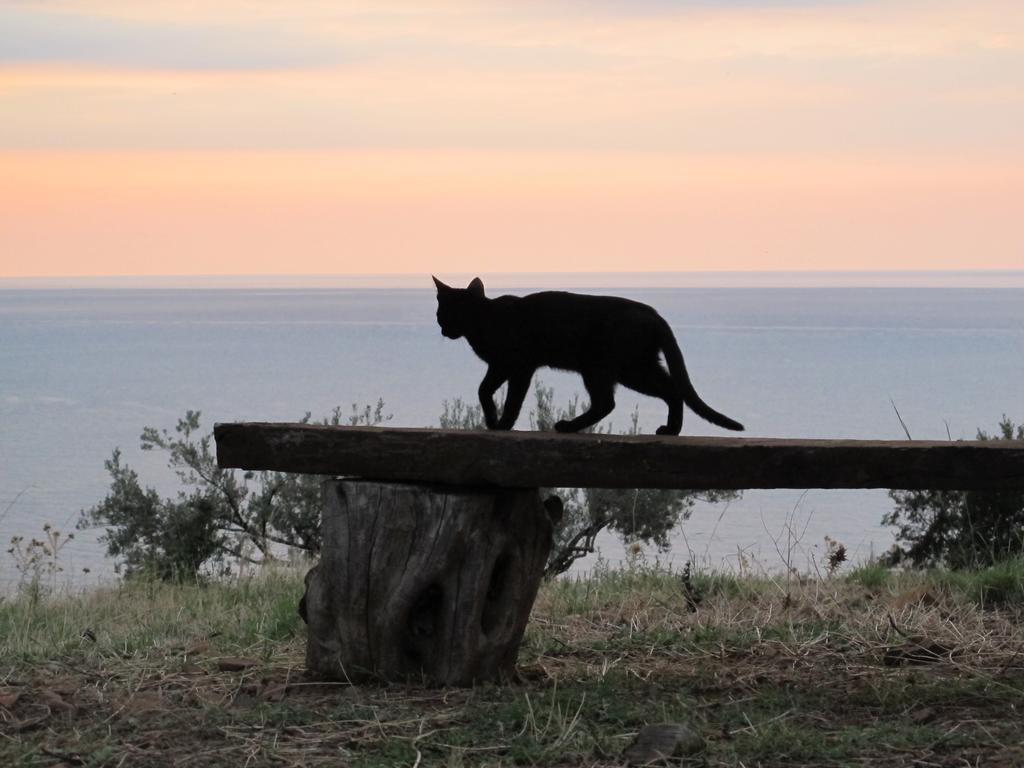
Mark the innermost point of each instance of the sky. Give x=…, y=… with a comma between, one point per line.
x=457, y=136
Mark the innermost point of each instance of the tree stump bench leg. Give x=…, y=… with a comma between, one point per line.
x=423, y=583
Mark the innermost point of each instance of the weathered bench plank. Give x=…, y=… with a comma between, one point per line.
x=533, y=459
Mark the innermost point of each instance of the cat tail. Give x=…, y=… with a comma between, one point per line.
x=681, y=379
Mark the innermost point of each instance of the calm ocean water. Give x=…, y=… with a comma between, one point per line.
x=83, y=370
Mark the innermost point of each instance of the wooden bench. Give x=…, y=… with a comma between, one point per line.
x=435, y=541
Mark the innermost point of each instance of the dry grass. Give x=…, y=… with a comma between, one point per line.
x=864, y=670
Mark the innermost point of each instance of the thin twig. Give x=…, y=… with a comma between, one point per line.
x=902, y=423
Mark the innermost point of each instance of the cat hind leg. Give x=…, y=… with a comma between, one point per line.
x=656, y=382
x=602, y=402
x=675, y=416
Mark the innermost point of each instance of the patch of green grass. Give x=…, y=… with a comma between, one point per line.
x=137, y=616
x=703, y=638
x=711, y=583
x=769, y=673
x=799, y=741
x=1001, y=584
x=872, y=576
x=897, y=694
x=386, y=755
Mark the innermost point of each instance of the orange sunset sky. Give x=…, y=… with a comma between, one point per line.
x=384, y=136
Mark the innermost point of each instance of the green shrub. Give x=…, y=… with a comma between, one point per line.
x=959, y=529
x=219, y=519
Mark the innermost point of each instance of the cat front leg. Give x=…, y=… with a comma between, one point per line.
x=518, y=386
x=492, y=380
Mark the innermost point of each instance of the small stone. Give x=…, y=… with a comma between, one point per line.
x=663, y=740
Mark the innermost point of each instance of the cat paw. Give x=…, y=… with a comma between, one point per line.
x=563, y=426
x=666, y=430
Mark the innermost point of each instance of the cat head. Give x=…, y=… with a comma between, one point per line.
x=456, y=307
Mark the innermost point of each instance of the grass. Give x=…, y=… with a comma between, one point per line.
x=1000, y=584
x=874, y=669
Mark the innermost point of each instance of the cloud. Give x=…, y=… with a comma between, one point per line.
x=325, y=136
x=918, y=75
x=34, y=36
x=14, y=401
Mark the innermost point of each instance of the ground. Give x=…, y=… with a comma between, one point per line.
x=871, y=669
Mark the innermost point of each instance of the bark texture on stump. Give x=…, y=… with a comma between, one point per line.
x=420, y=582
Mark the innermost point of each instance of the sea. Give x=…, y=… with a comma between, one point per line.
x=86, y=364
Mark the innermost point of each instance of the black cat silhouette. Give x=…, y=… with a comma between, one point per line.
x=609, y=340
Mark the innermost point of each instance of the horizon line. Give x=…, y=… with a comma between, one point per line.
x=219, y=275
x=948, y=278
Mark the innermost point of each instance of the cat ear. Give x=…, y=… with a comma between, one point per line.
x=476, y=287
x=440, y=286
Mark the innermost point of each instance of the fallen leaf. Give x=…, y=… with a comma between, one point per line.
x=144, y=701
x=920, y=596
x=244, y=700
x=916, y=652
x=235, y=665
x=274, y=692
x=9, y=699
x=201, y=647
x=66, y=758
x=207, y=698
x=54, y=700
x=925, y=715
